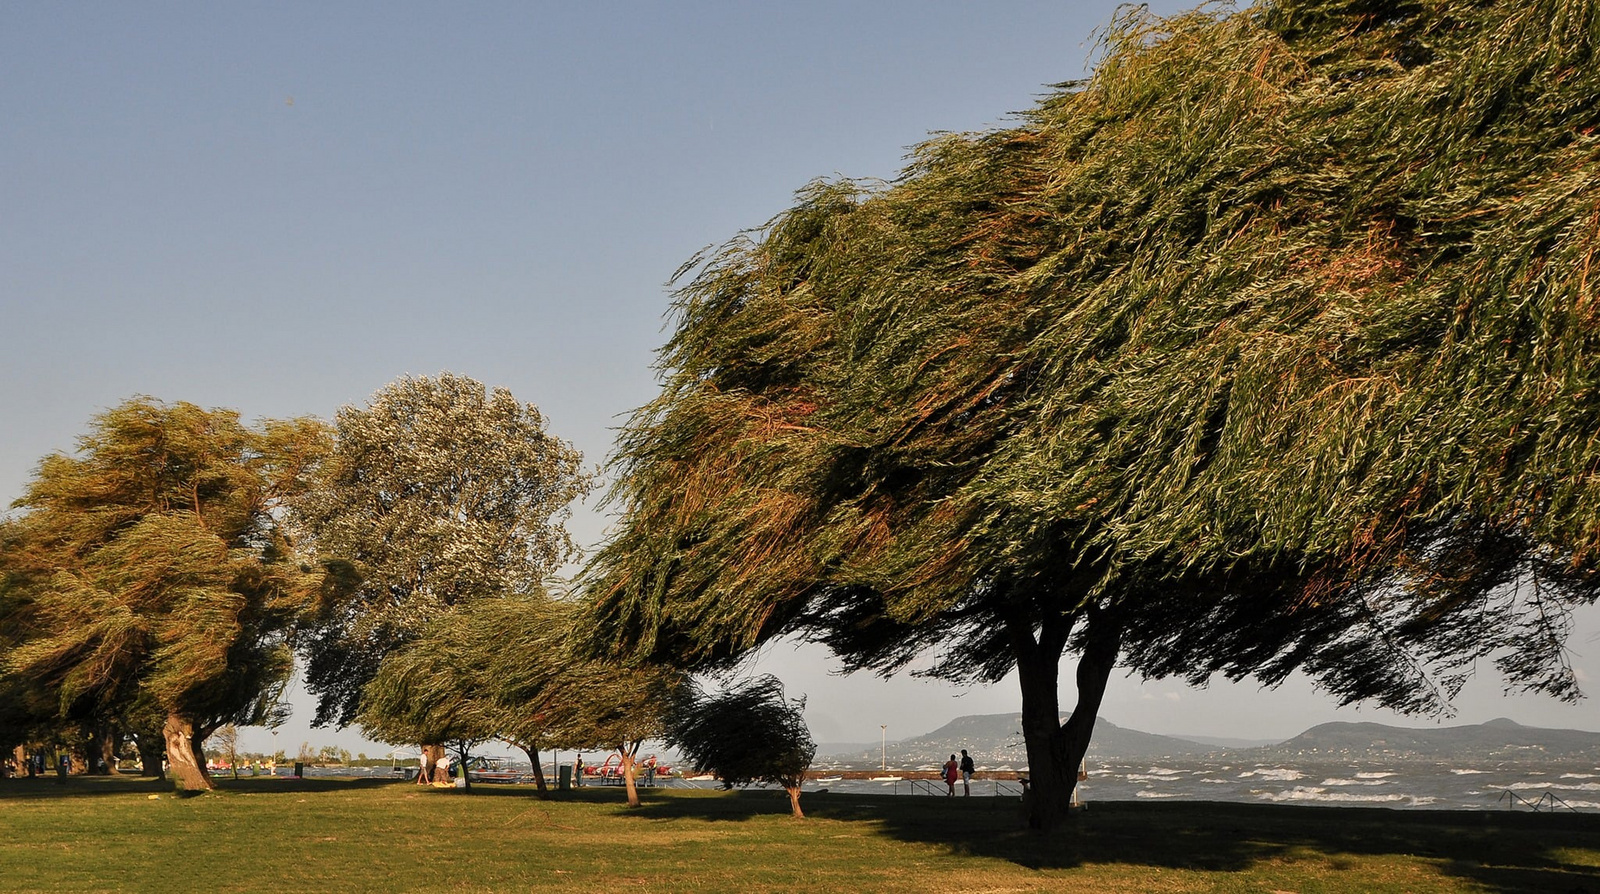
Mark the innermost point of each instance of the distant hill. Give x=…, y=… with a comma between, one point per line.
x=1229, y=742
x=995, y=740
x=1496, y=740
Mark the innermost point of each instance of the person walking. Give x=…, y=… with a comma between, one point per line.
x=967, y=770
x=952, y=772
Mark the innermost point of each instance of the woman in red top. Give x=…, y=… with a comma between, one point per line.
x=952, y=772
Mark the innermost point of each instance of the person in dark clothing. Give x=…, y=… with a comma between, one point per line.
x=967, y=770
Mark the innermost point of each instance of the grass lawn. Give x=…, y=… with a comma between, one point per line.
x=334, y=835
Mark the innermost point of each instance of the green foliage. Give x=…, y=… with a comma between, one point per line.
x=1274, y=341
x=505, y=669
x=440, y=491
x=148, y=575
x=747, y=733
x=1272, y=346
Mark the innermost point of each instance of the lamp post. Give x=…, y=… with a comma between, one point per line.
x=883, y=746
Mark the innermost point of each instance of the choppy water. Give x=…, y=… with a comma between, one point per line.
x=1443, y=786
x=1487, y=786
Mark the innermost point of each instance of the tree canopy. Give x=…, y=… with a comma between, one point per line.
x=148, y=574
x=439, y=491
x=1271, y=346
x=506, y=669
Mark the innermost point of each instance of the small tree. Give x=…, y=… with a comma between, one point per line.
x=748, y=733
x=227, y=741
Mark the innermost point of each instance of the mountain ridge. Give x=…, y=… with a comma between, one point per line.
x=996, y=740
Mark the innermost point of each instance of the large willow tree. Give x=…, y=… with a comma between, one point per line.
x=1273, y=345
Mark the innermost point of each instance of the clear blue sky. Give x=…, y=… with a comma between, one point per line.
x=281, y=207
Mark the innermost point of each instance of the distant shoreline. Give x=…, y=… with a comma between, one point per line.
x=815, y=773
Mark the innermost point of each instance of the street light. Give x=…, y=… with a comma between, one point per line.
x=883, y=745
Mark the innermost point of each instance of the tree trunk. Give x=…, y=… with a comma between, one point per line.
x=430, y=761
x=1103, y=640
x=628, y=753
x=1048, y=792
x=186, y=769
x=109, y=739
x=19, y=759
x=794, y=800
x=151, y=752
x=197, y=741
x=532, y=751
x=1055, y=749
x=461, y=767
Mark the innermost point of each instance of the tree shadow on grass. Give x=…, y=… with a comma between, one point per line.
x=49, y=787
x=1502, y=851
x=52, y=787
x=270, y=784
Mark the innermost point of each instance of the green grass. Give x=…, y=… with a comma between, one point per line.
x=331, y=835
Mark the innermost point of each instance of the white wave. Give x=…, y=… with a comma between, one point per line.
x=1357, y=781
x=1215, y=781
x=1373, y=775
x=1146, y=777
x=1163, y=771
x=1566, y=787
x=1282, y=774
x=1317, y=793
x=1584, y=805
x=1156, y=795
x=1469, y=772
x=1577, y=775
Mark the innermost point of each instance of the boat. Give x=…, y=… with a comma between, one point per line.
x=491, y=769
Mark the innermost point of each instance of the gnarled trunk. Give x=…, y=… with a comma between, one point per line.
x=186, y=768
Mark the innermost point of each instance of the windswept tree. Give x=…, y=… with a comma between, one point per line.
x=152, y=577
x=1271, y=346
x=438, y=492
x=505, y=669
x=603, y=705
x=439, y=689
x=746, y=733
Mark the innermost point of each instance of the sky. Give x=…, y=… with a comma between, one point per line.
x=281, y=207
